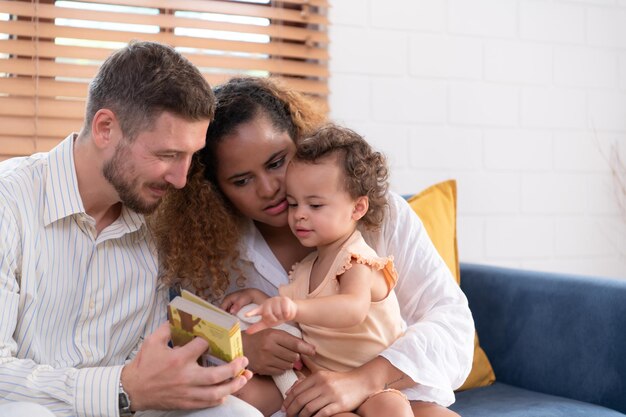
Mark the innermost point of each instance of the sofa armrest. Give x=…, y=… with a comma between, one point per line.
x=554, y=333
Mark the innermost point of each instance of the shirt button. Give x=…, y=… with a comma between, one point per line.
x=92, y=304
x=88, y=354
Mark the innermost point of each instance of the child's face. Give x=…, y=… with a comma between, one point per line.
x=321, y=212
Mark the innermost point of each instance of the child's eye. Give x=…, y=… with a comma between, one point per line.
x=292, y=205
x=316, y=206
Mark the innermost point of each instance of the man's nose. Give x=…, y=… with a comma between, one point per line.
x=177, y=174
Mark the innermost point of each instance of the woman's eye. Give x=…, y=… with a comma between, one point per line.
x=241, y=182
x=276, y=164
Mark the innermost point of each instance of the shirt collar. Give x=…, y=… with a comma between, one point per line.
x=255, y=250
x=62, y=198
x=129, y=221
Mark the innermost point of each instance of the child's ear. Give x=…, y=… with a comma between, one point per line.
x=361, y=205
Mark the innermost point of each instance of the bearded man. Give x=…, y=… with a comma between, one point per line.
x=83, y=330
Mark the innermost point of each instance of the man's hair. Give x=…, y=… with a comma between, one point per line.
x=143, y=79
x=364, y=170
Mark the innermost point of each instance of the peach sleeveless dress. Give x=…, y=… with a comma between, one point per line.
x=342, y=349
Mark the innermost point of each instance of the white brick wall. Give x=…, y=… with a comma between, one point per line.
x=518, y=62
x=522, y=101
x=484, y=104
x=622, y=71
x=557, y=22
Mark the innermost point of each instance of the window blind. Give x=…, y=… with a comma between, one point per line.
x=49, y=51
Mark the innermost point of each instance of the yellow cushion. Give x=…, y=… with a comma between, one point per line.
x=436, y=207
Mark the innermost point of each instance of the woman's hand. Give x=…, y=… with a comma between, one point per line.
x=326, y=393
x=234, y=301
x=271, y=351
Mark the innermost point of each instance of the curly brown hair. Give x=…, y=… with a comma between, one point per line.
x=195, y=236
x=196, y=228
x=365, y=170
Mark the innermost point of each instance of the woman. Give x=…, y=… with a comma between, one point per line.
x=228, y=229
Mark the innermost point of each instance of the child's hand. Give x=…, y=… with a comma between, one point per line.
x=273, y=312
x=235, y=301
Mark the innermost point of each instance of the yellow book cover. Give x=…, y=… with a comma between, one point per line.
x=191, y=316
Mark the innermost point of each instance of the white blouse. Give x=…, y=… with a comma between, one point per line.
x=437, y=348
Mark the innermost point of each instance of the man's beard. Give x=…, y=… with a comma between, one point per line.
x=128, y=189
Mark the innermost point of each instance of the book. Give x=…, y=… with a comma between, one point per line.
x=190, y=316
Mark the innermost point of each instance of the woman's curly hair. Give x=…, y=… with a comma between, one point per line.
x=195, y=236
x=196, y=228
x=365, y=170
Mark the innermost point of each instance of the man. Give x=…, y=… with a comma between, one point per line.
x=78, y=267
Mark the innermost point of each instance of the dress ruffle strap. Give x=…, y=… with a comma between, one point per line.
x=384, y=264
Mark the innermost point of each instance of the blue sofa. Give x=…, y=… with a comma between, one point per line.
x=557, y=343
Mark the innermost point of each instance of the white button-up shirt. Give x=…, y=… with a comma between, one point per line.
x=74, y=305
x=437, y=348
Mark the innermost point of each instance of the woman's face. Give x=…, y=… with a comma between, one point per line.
x=251, y=170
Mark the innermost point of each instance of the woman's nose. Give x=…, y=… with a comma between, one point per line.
x=268, y=186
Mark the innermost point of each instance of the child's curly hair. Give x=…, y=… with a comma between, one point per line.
x=365, y=170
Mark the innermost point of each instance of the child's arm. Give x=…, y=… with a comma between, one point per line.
x=234, y=301
x=346, y=309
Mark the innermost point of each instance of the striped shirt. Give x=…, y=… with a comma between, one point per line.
x=74, y=305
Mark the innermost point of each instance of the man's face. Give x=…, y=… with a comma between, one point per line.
x=142, y=170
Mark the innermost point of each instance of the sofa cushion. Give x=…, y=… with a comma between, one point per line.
x=558, y=334
x=436, y=207
x=502, y=400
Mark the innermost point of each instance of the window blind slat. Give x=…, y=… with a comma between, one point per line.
x=42, y=107
x=24, y=66
x=15, y=146
x=42, y=87
x=51, y=50
x=26, y=126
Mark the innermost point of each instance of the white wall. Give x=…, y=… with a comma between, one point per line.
x=519, y=100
